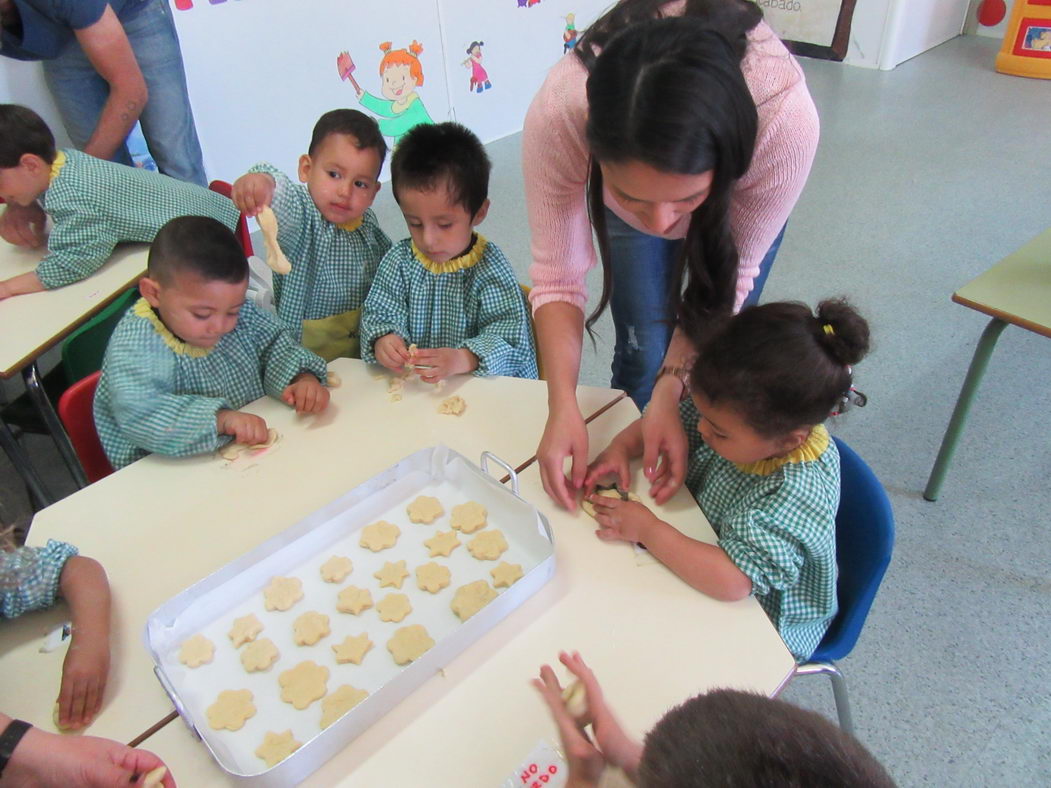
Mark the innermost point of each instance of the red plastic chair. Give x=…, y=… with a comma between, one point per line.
x=245, y=237
x=75, y=410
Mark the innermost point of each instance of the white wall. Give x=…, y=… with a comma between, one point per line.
x=885, y=33
x=23, y=83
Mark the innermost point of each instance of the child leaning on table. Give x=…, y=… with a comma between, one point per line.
x=93, y=204
x=723, y=738
x=446, y=289
x=192, y=351
x=326, y=229
x=761, y=464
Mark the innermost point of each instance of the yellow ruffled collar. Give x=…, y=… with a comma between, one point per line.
x=470, y=258
x=352, y=225
x=142, y=308
x=811, y=449
x=57, y=165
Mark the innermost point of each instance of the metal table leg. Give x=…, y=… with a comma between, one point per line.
x=58, y=434
x=37, y=489
x=979, y=362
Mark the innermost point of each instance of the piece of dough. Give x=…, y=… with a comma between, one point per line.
x=303, y=684
x=442, y=543
x=506, y=574
x=488, y=545
x=353, y=600
x=453, y=406
x=309, y=628
x=392, y=574
x=259, y=655
x=282, y=593
x=575, y=698
x=196, y=651
x=379, y=536
x=230, y=710
x=425, y=509
x=335, y=569
x=393, y=607
x=275, y=258
x=245, y=630
x=394, y=389
x=589, y=507
x=469, y=517
x=276, y=747
x=352, y=649
x=339, y=703
x=432, y=577
x=155, y=777
x=409, y=643
x=234, y=450
x=334, y=380
x=471, y=598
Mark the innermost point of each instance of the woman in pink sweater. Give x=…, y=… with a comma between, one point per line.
x=683, y=143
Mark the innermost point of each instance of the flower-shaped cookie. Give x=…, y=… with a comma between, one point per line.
x=379, y=536
x=277, y=746
x=309, y=628
x=469, y=517
x=409, y=643
x=259, y=655
x=244, y=630
x=471, y=598
x=425, y=509
x=303, y=684
x=488, y=545
x=282, y=593
x=230, y=710
x=339, y=703
x=353, y=600
x=196, y=651
x=335, y=569
x=432, y=577
x=393, y=607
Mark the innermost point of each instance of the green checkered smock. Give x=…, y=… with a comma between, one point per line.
x=777, y=522
x=159, y=394
x=96, y=204
x=332, y=267
x=29, y=577
x=475, y=303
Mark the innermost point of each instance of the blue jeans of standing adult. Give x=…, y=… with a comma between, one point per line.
x=642, y=267
x=167, y=119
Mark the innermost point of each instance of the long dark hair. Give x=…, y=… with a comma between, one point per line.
x=669, y=93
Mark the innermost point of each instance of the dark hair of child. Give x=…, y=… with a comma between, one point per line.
x=353, y=123
x=442, y=154
x=738, y=739
x=780, y=365
x=22, y=131
x=199, y=245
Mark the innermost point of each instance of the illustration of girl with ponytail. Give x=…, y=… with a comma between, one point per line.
x=401, y=107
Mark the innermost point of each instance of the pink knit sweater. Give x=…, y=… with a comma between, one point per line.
x=556, y=159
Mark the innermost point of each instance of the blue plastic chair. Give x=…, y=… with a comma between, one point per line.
x=864, y=543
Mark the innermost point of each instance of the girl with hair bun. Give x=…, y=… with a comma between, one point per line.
x=401, y=107
x=761, y=465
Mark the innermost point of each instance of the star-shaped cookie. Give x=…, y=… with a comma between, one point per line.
x=392, y=574
x=442, y=543
x=352, y=649
x=506, y=574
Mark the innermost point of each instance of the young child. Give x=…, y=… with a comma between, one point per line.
x=761, y=465
x=93, y=204
x=32, y=578
x=326, y=230
x=724, y=738
x=192, y=351
x=446, y=289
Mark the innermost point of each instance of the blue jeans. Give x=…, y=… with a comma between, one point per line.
x=167, y=119
x=642, y=266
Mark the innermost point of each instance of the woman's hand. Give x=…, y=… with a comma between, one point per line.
x=566, y=435
x=664, y=444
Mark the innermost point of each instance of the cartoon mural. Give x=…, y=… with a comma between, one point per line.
x=479, y=76
x=527, y=3
x=569, y=35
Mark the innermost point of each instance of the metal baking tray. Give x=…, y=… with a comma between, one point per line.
x=209, y=607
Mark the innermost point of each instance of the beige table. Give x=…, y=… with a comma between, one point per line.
x=161, y=524
x=651, y=639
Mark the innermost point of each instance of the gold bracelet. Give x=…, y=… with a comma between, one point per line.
x=681, y=374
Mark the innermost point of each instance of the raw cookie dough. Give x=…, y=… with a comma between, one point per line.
x=309, y=628
x=379, y=536
x=353, y=600
x=275, y=258
x=282, y=593
x=230, y=710
x=425, y=509
x=392, y=574
x=335, y=569
x=233, y=450
x=259, y=655
x=245, y=630
x=196, y=651
x=339, y=703
x=334, y=380
x=589, y=507
x=394, y=389
x=409, y=643
x=154, y=778
x=442, y=543
x=453, y=406
x=575, y=698
x=506, y=574
x=352, y=649
x=432, y=577
x=303, y=684
x=469, y=517
x=488, y=545
x=471, y=598
x=393, y=607
x=276, y=747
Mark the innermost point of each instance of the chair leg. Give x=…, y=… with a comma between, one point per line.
x=839, y=689
x=37, y=489
x=31, y=376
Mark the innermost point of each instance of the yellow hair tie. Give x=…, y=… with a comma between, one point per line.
x=829, y=330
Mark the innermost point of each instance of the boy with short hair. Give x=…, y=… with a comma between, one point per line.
x=446, y=289
x=93, y=204
x=192, y=352
x=326, y=230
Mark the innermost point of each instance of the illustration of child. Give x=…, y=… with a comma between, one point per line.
x=569, y=36
x=401, y=107
x=479, y=76
x=1039, y=38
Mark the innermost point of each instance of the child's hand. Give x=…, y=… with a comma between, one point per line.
x=253, y=192
x=626, y=521
x=84, y=673
x=443, y=362
x=23, y=225
x=613, y=461
x=246, y=428
x=391, y=352
x=306, y=394
x=586, y=762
